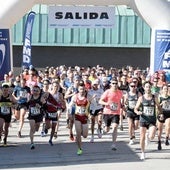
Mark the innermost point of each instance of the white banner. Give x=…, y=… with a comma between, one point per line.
x=81, y=17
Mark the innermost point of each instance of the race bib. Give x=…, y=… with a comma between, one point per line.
x=5, y=110
x=132, y=104
x=52, y=115
x=166, y=105
x=34, y=111
x=148, y=111
x=23, y=94
x=114, y=106
x=81, y=110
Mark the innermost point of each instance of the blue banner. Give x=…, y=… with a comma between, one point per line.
x=5, y=59
x=27, y=40
x=162, y=50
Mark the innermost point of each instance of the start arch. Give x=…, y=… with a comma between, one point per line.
x=155, y=12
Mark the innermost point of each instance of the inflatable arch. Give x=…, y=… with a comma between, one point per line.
x=156, y=13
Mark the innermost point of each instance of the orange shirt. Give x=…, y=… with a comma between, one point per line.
x=114, y=100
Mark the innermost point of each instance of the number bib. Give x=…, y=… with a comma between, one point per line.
x=34, y=111
x=132, y=104
x=81, y=110
x=166, y=106
x=5, y=110
x=52, y=115
x=23, y=94
x=148, y=111
x=97, y=101
x=114, y=106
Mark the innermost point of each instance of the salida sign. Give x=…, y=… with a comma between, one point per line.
x=80, y=16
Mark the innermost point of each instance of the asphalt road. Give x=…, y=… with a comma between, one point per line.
x=62, y=155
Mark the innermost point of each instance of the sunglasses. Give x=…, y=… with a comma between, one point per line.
x=115, y=83
x=35, y=90
x=133, y=86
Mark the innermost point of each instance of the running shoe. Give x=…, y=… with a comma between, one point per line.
x=92, y=139
x=79, y=152
x=166, y=142
x=142, y=157
x=43, y=134
x=131, y=142
x=113, y=147
x=32, y=146
x=159, y=145
x=121, y=127
x=99, y=133
x=50, y=142
x=55, y=135
x=19, y=134
x=71, y=137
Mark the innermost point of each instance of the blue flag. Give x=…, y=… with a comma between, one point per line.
x=27, y=40
x=5, y=59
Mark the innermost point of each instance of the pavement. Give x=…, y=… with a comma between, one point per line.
x=62, y=155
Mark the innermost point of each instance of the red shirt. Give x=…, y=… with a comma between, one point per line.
x=113, y=98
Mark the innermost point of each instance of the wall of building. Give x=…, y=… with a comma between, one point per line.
x=43, y=56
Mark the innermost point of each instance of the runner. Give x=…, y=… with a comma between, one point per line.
x=164, y=118
x=130, y=100
x=81, y=102
x=124, y=87
x=6, y=101
x=146, y=108
x=21, y=93
x=51, y=109
x=96, y=109
x=58, y=96
x=112, y=100
x=35, y=116
x=71, y=91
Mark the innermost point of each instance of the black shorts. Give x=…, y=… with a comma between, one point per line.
x=51, y=116
x=37, y=118
x=147, y=124
x=21, y=106
x=167, y=115
x=7, y=118
x=132, y=115
x=110, y=118
x=96, y=112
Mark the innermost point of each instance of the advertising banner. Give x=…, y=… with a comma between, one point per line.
x=81, y=17
x=162, y=50
x=5, y=64
x=27, y=40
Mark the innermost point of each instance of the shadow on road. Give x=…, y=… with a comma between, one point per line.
x=64, y=154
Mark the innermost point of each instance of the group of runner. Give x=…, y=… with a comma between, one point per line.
x=87, y=95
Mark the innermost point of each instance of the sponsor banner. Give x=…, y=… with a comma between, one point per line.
x=27, y=40
x=81, y=17
x=162, y=50
x=5, y=63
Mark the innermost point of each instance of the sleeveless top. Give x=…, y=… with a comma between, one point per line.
x=35, y=106
x=148, y=110
x=82, y=106
x=165, y=105
x=5, y=105
x=132, y=100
